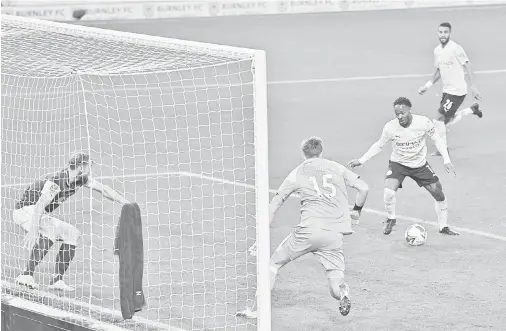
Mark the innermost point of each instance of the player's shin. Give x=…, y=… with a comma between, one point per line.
x=37, y=254
x=442, y=213
x=390, y=200
x=63, y=259
x=441, y=130
x=459, y=115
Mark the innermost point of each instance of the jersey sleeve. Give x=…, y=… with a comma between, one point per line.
x=461, y=55
x=436, y=60
x=288, y=186
x=49, y=192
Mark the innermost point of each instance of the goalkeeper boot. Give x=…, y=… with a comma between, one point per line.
x=248, y=313
x=345, y=302
x=389, y=225
x=476, y=110
x=447, y=231
x=28, y=281
x=61, y=286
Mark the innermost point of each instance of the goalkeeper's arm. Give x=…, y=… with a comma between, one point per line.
x=106, y=191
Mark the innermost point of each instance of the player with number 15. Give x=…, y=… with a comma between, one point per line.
x=325, y=219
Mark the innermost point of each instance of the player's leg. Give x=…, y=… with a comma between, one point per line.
x=427, y=178
x=393, y=181
x=447, y=111
x=23, y=218
x=436, y=190
x=333, y=260
x=37, y=254
x=474, y=109
x=70, y=237
x=292, y=247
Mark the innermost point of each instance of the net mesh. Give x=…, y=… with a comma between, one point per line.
x=169, y=125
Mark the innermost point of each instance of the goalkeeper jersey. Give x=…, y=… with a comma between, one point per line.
x=32, y=194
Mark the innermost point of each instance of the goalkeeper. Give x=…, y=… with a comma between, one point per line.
x=32, y=213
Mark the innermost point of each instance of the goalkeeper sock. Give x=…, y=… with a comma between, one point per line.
x=442, y=213
x=389, y=198
x=38, y=252
x=63, y=259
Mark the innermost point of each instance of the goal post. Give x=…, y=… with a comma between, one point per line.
x=179, y=127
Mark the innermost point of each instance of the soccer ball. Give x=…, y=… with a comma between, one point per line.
x=415, y=235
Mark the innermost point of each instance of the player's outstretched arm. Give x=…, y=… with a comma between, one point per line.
x=106, y=191
x=47, y=194
x=375, y=149
x=435, y=77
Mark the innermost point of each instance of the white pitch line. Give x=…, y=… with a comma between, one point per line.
x=62, y=94
x=96, y=308
x=249, y=186
x=368, y=78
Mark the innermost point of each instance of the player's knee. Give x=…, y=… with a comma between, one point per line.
x=446, y=119
x=439, y=196
x=72, y=236
x=388, y=195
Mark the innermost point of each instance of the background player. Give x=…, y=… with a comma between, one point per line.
x=32, y=213
x=452, y=64
x=325, y=217
x=408, y=159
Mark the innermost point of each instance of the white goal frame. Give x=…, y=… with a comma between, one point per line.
x=260, y=140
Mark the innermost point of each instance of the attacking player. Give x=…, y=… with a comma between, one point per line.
x=325, y=218
x=409, y=159
x=452, y=64
x=32, y=213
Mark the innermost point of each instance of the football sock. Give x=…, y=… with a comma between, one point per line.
x=389, y=198
x=38, y=252
x=441, y=130
x=63, y=259
x=442, y=213
x=460, y=114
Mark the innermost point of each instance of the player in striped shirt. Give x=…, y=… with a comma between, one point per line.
x=452, y=65
x=325, y=217
x=408, y=133
x=33, y=213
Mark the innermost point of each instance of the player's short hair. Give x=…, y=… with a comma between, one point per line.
x=78, y=159
x=446, y=25
x=312, y=147
x=402, y=101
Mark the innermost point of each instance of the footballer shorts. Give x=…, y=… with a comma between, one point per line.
x=449, y=105
x=49, y=227
x=326, y=244
x=423, y=175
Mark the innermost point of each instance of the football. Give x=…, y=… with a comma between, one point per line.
x=416, y=235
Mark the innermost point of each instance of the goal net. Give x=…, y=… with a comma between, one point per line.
x=180, y=128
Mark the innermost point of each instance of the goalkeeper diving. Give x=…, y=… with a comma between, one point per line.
x=325, y=218
x=33, y=213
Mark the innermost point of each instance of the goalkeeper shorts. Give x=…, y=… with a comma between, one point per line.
x=49, y=227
